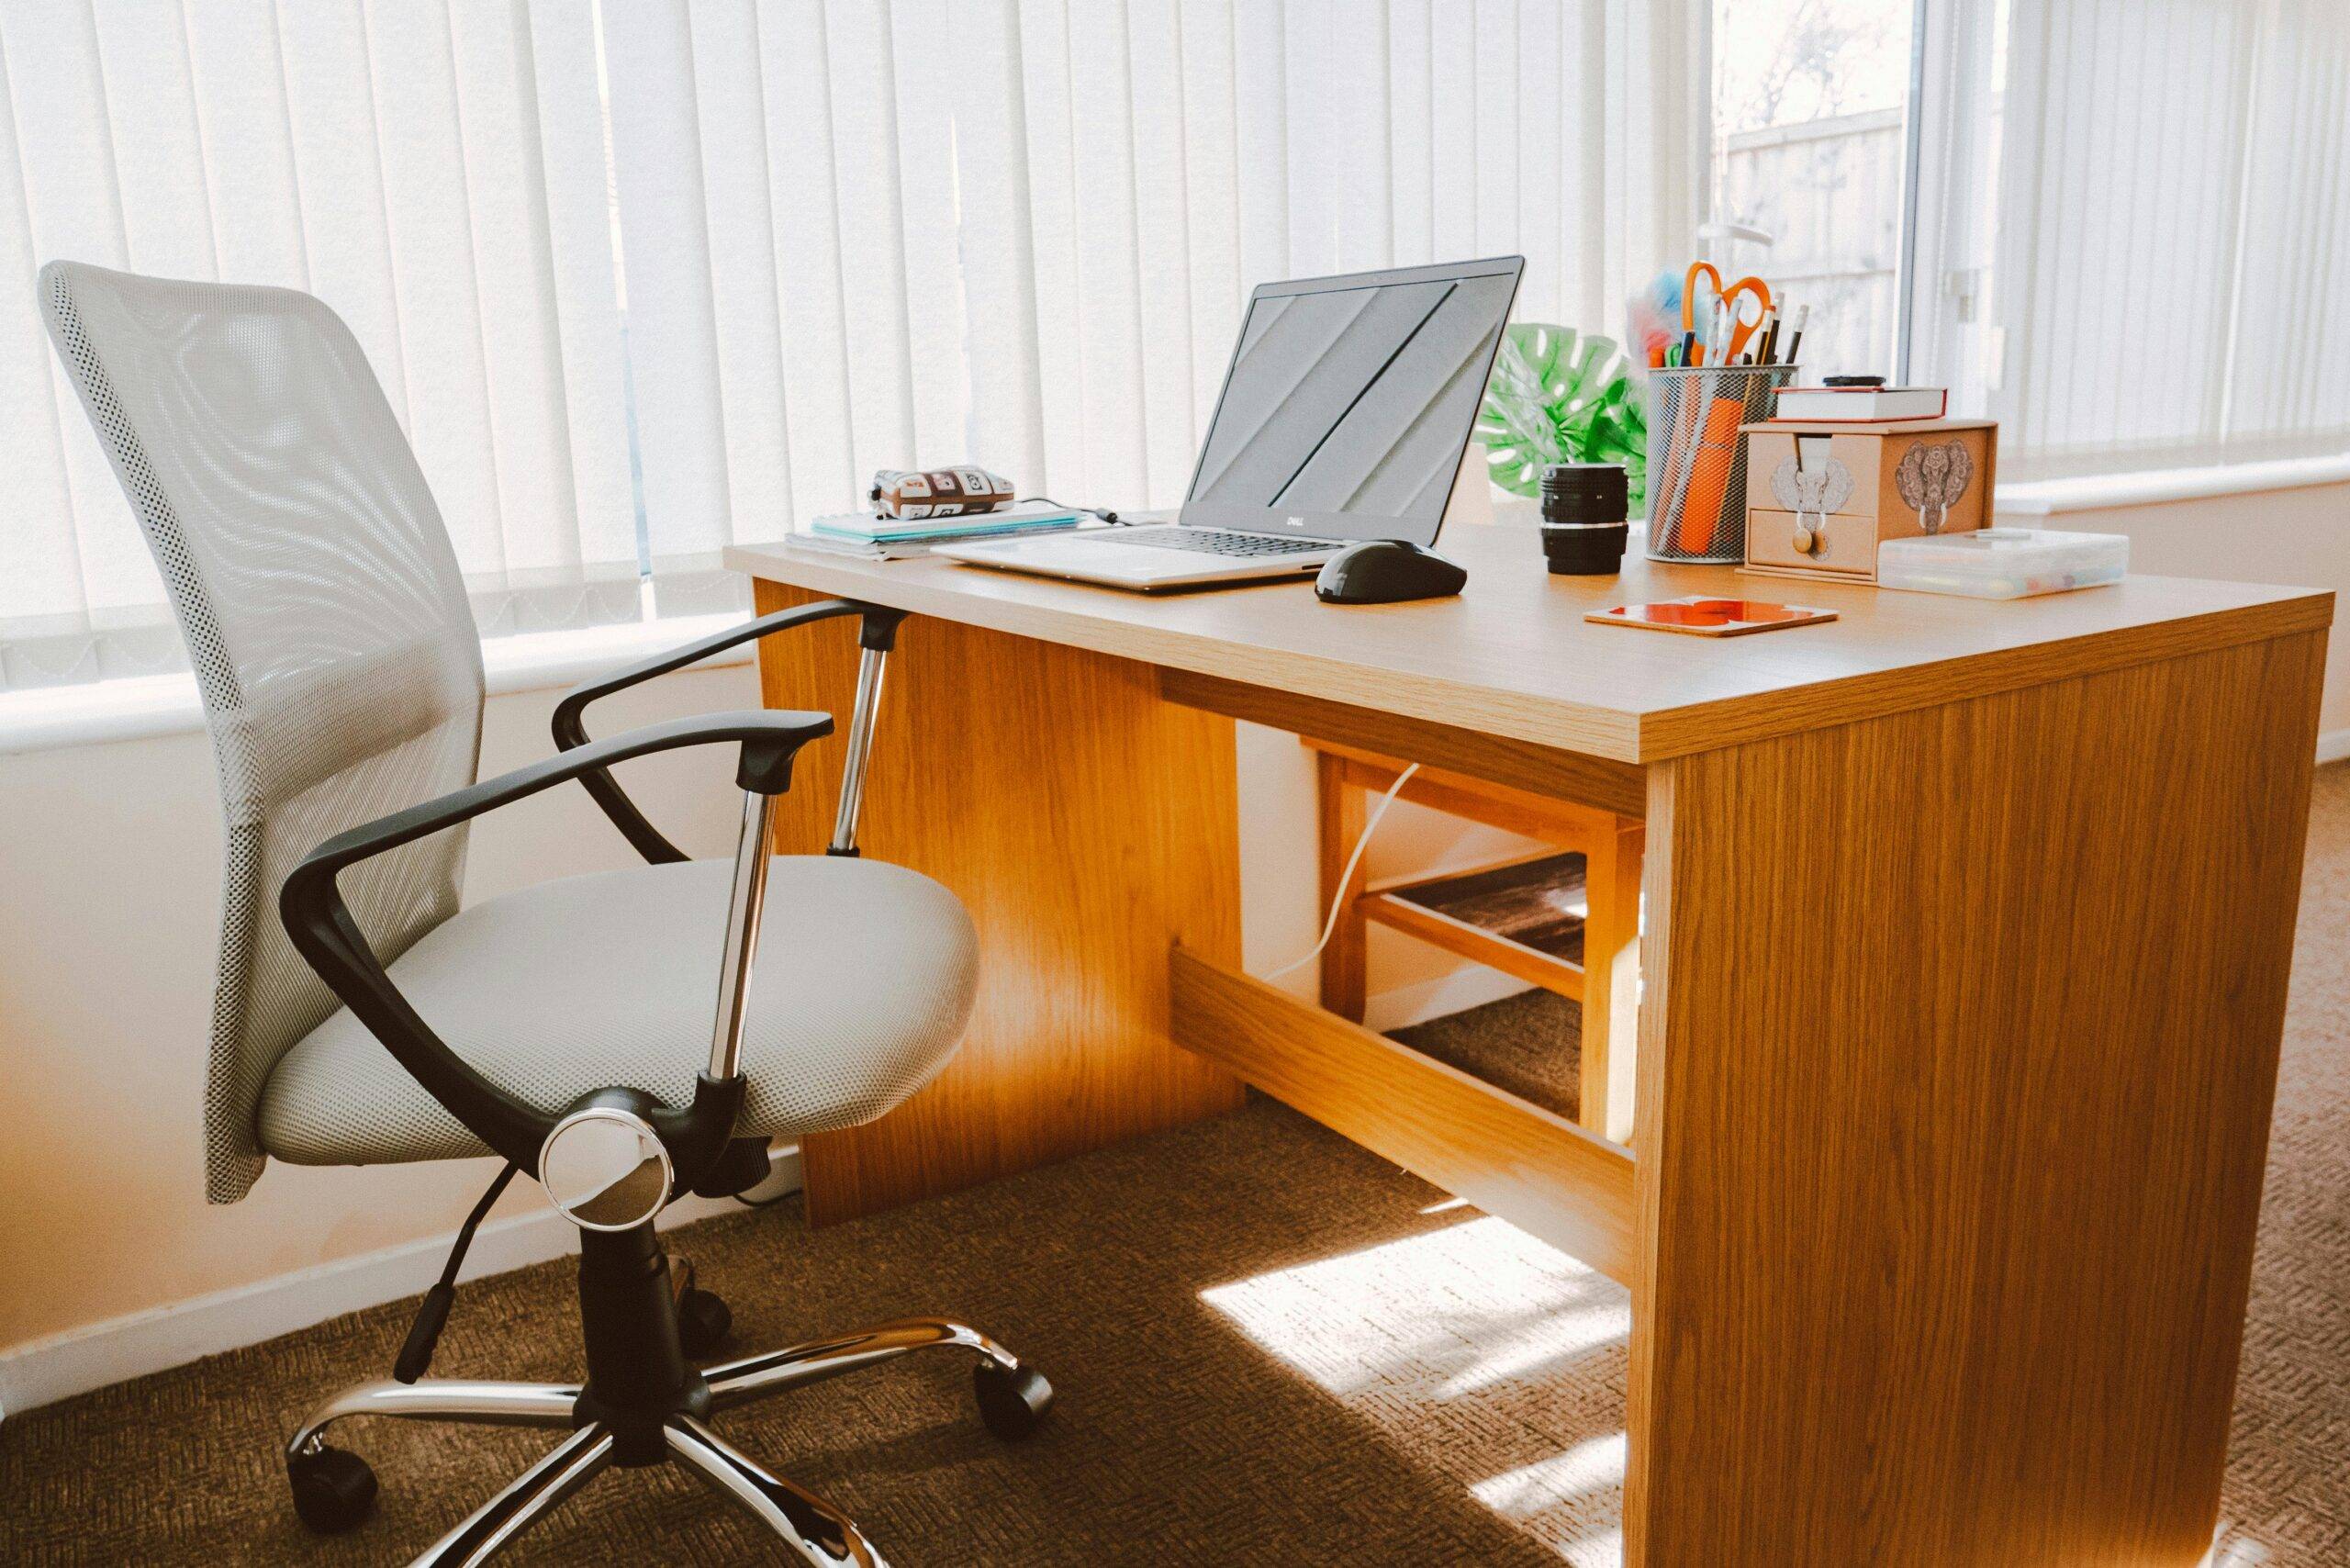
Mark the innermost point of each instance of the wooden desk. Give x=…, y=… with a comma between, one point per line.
x=1966, y=951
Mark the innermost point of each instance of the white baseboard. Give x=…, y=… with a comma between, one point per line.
x=79, y=1359
x=2333, y=746
x=1469, y=986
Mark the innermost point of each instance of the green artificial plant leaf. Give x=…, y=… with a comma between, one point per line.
x=1559, y=397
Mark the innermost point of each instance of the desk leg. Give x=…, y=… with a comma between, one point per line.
x=1088, y=825
x=1960, y=1037
x=1340, y=811
x=1611, y=983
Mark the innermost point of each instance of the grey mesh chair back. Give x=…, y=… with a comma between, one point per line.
x=323, y=611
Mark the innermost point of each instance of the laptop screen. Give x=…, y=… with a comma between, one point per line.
x=1349, y=400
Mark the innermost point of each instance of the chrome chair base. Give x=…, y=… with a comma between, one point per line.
x=333, y=1489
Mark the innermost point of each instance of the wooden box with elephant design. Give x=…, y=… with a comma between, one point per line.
x=1821, y=496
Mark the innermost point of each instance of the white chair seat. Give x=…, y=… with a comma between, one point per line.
x=863, y=985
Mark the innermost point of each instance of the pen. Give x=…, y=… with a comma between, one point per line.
x=1795, y=339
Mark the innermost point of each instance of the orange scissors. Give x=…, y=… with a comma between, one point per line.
x=1741, y=328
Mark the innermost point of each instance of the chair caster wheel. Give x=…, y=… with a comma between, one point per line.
x=1011, y=1402
x=703, y=1321
x=333, y=1489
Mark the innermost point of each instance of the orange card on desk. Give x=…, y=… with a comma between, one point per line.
x=1699, y=616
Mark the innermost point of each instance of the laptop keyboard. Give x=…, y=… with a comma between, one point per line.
x=1216, y=541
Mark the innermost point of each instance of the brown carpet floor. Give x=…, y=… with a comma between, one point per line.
x=1271, y=1347
x=1531, y=1044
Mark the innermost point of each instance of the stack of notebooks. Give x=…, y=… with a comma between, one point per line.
x=870, y=536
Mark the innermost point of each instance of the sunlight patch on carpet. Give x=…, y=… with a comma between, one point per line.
x=2231, y=1549
x=1480, y=1352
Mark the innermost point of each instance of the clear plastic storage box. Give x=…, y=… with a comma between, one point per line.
x=2002, y=562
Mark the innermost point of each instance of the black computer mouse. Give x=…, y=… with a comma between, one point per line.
x=1386, y=571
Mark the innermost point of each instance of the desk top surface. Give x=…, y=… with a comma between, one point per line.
x=1514, y=656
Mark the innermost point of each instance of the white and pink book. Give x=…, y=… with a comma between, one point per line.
x=1861, y=404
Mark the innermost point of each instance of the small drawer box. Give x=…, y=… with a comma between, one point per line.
x=1823, y=495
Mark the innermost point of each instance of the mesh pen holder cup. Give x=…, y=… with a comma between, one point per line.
x=1697, y=458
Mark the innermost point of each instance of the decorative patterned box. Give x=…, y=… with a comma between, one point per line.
x=1822, y=496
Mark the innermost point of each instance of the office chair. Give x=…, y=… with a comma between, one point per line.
x=559, y=1027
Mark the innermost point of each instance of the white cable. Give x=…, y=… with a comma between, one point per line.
x=1347, y=877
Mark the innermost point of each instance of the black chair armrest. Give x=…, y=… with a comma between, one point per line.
x=571, y=732
x=328, y=938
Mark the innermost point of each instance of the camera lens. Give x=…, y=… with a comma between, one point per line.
x=1583, y=509
x=1585, y=493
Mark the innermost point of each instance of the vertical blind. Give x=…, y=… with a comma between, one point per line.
x=432, y=169
x=2289, y=366
x=644, y=278
x=2173, y=205
x=848, y=249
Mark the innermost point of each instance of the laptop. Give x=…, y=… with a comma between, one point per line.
x=1344, y=416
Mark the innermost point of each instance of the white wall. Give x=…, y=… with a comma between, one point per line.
x=107, y=924
x=1281, y=911
x=110, y=862
x=109, y=894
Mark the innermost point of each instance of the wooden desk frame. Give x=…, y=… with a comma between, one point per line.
x=1950, y=1135
x=1606, y=980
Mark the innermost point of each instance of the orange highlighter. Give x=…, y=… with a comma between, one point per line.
x=1710, y=465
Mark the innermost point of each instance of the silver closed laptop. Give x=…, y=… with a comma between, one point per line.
x=1344, y=415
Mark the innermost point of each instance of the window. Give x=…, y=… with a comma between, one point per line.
x=435, y=172
x=1810, y=140
x=2148, y=200
x=643, y=279
x=2111, y=222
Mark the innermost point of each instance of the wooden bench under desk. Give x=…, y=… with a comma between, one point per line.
x=1950, y=1134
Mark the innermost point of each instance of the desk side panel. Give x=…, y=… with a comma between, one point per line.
x=1088, y=826
x=1953, y=1102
